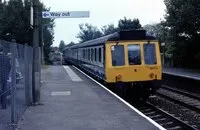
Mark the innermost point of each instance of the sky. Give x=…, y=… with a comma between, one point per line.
x=102, y=12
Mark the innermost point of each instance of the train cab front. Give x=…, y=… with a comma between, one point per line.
x=134, y=65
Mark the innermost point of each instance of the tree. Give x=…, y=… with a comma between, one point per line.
x=62, y=45
x=48, y=33
x=108, y=29
x=162, y=33
x=48, y=41
x=70, y=44
x=88, y=32
x=2, y=10
x=129, y=24
x=159, y=30
x=183, y=19
x=12, y=20
x=15, y=23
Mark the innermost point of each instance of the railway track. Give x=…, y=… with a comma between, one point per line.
x=189, y=94
x=163, y=118
x=183, y=98
x=168, y=121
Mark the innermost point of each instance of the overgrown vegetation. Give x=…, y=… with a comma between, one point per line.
x=15, y=24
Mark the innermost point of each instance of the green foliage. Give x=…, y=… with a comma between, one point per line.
x=155, y=29
x=129, y=24
x=13, y=21
x=183, y=19
x=48, y=41
x=70, y=44
x=162, y=33
x=61, y=45
x=15, y=24
x=180, y=31
x=88, y=32
x=183, y=16
x=108, y=29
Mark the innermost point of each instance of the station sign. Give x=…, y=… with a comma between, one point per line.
x=66, y=14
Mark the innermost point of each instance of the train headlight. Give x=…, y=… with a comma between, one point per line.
x=118, y=78
x=151, y=75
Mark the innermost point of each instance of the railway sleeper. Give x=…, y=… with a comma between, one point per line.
x=150, y=113
x=146, y=110
x=155, y=117
x=160, y=120
x=168, y=124
x=175, y=128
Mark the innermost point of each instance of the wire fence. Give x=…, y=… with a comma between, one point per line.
x=15, y=82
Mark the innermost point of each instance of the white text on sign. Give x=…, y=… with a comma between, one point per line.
x=71, y=14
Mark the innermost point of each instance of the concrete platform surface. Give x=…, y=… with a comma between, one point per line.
x=188, y=73
x=71, y=101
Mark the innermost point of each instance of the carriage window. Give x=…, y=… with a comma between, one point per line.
x=117, y=55
x=99, y=54
x=134, y=56
x=88, y=54
x=95, y=54
x=150, y=54
x=92, y=54
x=83, y=53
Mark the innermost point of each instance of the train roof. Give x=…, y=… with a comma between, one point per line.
x=117, y=36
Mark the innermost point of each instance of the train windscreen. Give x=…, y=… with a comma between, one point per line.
x=134, y=54
x=118, y=55
x=150, y=54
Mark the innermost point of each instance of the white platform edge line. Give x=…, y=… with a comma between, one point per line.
x=133, y=108
x=187, y=76
x=73, y=76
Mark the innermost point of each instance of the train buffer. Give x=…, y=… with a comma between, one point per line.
x=70, y=100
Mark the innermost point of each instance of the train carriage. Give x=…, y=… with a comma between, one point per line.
x=128, y=61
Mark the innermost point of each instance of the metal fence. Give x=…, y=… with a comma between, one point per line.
x=15, y=82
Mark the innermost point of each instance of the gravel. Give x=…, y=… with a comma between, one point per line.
x=183, y=113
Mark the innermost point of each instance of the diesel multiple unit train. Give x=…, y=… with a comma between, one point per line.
x=128, y=62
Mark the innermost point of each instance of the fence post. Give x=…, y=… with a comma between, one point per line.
x=26, y=60
x=40, y=72
x=13, y=78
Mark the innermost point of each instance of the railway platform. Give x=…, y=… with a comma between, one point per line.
x=71, y=100
x=181, y=72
